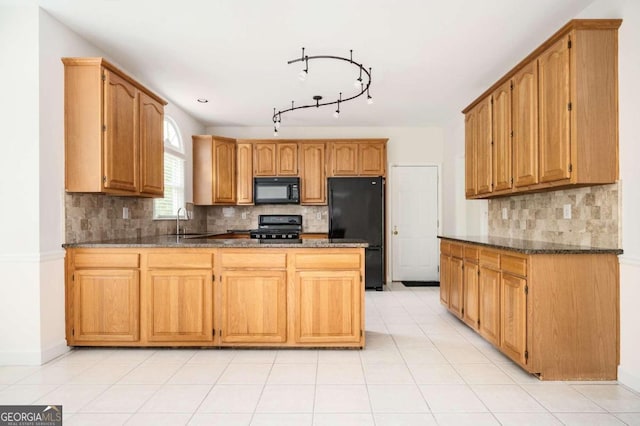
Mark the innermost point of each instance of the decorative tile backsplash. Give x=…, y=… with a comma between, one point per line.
x=594, y=216
x=220, y=219
x=93, y=217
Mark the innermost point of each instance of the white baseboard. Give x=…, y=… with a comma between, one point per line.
x=628, y=379
x=33, y=358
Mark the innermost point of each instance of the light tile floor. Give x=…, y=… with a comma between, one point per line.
x=421, y=366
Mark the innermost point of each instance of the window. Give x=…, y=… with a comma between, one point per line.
x=174, y=157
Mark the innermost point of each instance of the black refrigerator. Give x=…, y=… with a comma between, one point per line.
x=356, y=211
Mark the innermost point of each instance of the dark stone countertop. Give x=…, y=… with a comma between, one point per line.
x=531, y=247
x=188, y=241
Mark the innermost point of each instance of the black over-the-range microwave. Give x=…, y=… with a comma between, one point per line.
x=276, y=190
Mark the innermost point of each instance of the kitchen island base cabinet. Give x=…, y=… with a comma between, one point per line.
x=553, y=313
x=328, y=306
x=245, y=297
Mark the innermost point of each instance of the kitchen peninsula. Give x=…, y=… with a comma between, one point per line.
x=181, y=291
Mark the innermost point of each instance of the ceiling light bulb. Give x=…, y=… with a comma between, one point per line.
x=302, y=75
x=358, y=83
x=275, y=132
x=336, y=114
x=369, y=100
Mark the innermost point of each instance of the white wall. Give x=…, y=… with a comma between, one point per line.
x=629, y=93
x=32, y=180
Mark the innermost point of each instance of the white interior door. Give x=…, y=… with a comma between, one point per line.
x=414, y=227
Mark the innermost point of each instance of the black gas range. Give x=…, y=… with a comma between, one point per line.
x=278, y=227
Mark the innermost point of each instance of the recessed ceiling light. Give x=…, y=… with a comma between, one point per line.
x=203, y=100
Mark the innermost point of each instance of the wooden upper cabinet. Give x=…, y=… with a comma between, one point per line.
x=358, y=158
x=121, y=133
x=245, y=173
x=525, y=125
x=264, y=161
x=501, y=155
x=371, y=158
x=313, y=178
x=553, y=106
x=484, y=141
x=151, y=146
x=113, y=131
x=564, y=113
x=470, y=161
x=214, y=170
x=344, y=159
x=287, y=159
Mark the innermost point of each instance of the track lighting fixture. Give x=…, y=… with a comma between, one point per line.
x=361, y=84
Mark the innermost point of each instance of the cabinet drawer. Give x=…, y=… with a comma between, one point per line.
x=514, y=265
x=106, y=260
x=445, y=247
x=490, y=259
x=328, y=261
x=253, y=260
x=471, y=253
x=457, y=250
x=180, y=260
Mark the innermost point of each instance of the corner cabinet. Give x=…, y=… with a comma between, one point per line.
x=555, y=315
x=214, y=170
x=113, y=131
x=553, y=119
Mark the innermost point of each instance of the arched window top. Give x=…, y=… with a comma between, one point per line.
x=172, y=139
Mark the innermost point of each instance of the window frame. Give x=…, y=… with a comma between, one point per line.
x=179, y=153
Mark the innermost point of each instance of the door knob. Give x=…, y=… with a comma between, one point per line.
x=395, y=230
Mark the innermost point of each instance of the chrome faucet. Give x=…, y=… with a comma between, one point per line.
x=178, y=221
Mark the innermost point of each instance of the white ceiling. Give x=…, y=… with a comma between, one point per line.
x=430, y=58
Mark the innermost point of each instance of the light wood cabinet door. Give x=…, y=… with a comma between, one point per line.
x=120, y=134
x=456, y=288
x=313, y=179
x=344, y=159
x=254, y=306
x=525, y=125
x=264, y=160
x=180, y=305
x=489, y=305
x=553, y=98
x=484, y=139
x=470, y=297
x=470, y=159
x=245, y=173
x=328, y=306
x=287, y=159
x=106, y=305
x=513, y=318
x=151, y=146
x=224, y=163
x=501, y=156
x=371, y=159
x=444, y=279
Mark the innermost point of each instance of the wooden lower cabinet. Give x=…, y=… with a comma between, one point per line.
x=254, y=306
x=274, y=297
x=470, y=312
x=489, y=304
x=180, y=306
x=513, y=313
x=327, y=306
x=556, y=315
x=106, y=306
